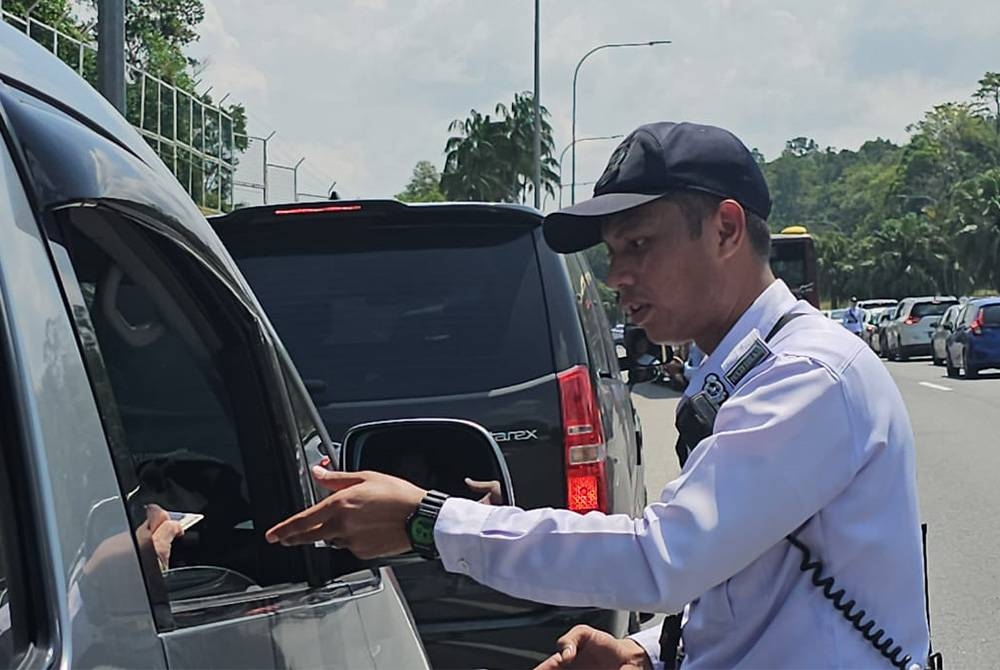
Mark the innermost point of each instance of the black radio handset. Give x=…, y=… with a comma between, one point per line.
x=695, y=422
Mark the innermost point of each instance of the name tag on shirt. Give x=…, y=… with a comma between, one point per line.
x=744, y=357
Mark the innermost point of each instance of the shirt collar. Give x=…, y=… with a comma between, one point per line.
x=758, y=319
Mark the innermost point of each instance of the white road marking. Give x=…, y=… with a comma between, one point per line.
x=934, y=386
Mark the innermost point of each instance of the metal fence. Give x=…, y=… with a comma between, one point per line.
x=260, y=180
x=196, y=140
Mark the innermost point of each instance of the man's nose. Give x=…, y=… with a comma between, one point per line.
x=619, y=275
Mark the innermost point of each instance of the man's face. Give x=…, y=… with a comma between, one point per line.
x=668, y=281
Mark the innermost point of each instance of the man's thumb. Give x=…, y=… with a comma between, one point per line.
x=335, y=480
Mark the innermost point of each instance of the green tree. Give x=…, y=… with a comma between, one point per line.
x=520, y=120
x=474, y=157
x=489, y=158
x=977, y=211
x=424, y=185
x=988, y=97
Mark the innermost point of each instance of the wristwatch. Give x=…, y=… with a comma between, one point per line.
x=420, y=524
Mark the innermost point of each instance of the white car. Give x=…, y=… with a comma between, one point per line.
x=912, y=325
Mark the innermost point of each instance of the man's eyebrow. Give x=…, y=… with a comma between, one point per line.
x=616, y=228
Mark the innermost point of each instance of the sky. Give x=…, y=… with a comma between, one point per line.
x=363, y=89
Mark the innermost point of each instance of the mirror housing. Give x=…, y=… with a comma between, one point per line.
x=431, y=453
x=638, y=357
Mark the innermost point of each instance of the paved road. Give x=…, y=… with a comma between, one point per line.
x=955, y=422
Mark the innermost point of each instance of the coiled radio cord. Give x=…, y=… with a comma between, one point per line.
x=814, y=568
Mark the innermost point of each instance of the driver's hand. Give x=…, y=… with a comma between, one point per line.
x=161, y=531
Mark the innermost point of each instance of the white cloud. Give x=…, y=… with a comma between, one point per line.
x=366, y=88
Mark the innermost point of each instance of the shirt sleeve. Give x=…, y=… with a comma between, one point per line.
x=649, y=640
x=782, y=450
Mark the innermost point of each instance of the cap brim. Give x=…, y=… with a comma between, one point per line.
x=579, y=227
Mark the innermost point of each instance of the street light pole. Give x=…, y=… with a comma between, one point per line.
x=562, y=155
x=537, y=164
x=576, y=72
x=111, y=51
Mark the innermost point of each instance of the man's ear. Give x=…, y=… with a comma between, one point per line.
x=732, y=227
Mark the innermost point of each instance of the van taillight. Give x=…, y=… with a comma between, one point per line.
x=912, y=320
x=586, y=453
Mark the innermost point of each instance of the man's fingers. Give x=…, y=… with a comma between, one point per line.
x=569, y=643
x=155, y=515
x=322, y=531
x=553, y=662
x=489, y=490
x=298, y=524
x=335, y=480
x=169, y=530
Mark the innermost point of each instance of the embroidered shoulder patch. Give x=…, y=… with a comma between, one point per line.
x=715, y=389
x=757, y=352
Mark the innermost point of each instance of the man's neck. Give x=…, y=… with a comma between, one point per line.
x=748, y=293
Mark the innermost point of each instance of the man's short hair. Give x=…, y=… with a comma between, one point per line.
x=697, y=207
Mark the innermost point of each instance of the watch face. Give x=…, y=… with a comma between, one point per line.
x=422, y=531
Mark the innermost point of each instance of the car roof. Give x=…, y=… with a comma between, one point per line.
x=26, y=64
x=930, y=298
x=979, y=302
x=30, y=70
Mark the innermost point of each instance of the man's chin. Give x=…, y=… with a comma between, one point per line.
x=666, y=339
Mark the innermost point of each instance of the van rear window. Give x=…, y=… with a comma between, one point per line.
x=373, y=312
x=991, y=315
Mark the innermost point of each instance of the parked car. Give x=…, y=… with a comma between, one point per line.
x=456, y=310
x=914, y=320
x=944, y=329
x=869, y=325
x=877, y=341
x=138, y=368
x=837, y=314
x=975, y=343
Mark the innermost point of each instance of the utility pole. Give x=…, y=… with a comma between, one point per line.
x=111, y=51
x=537, y=177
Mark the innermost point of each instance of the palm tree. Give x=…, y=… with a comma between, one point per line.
x=491, y=158
x=474, y=160
x=521, y=120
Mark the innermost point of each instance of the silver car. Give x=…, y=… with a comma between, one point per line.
x=140, y=378
x=913, y=323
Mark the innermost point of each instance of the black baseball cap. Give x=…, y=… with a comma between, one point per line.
x=654, y=160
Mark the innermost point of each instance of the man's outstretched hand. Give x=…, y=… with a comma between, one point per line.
x=366, y=514
x=586, y=648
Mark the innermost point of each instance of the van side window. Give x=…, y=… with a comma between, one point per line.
x=179, y=383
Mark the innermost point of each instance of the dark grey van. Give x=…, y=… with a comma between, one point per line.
x=456, y=310
x=137, y=368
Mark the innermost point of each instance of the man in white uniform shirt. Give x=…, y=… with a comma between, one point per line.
x=811, y=449
x=853, y=318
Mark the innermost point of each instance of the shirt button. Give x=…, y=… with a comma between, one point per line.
x=915, y=666
x=463, y=565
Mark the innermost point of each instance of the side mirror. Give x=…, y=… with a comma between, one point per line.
x=638, y=356
x=431, y=453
